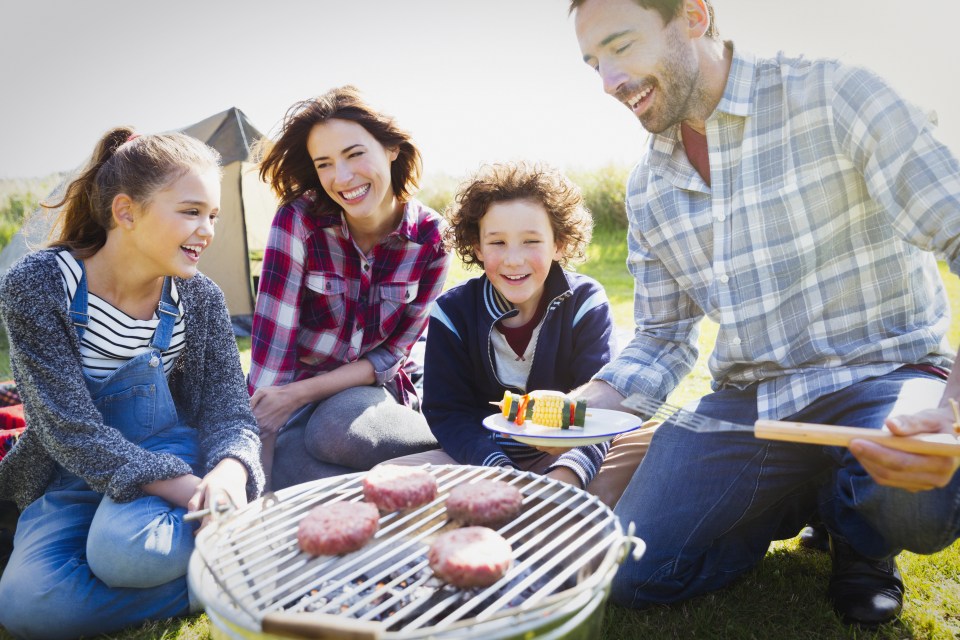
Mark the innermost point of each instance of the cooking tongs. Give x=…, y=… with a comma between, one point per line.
x=941, y=444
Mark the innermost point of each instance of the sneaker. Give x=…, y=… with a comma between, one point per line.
x=863, y=591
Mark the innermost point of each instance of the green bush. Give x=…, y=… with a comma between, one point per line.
x=19, y=198
x=603, y=191
x=437, y=191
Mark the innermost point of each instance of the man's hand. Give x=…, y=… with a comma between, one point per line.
x=599, y=395
x=910, y=471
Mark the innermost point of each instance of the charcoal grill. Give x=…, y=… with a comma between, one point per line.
x=254, y=581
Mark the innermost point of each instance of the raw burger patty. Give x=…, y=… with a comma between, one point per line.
x=485, y=502
x=393, y=487
x=339, y=527
x=470, y=557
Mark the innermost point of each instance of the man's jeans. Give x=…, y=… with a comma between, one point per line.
x=709, y=504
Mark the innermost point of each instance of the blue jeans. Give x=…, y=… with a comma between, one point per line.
x=709, y=504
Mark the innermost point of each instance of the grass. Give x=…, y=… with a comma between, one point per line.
x=782, y=598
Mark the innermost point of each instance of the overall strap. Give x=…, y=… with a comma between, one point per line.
x=168, y=314
x=78, y=306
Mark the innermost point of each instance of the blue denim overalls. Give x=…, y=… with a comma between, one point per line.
x=83, y=564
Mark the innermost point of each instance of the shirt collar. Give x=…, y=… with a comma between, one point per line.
x=406, y=230
x=738, y=95
x=554, y=286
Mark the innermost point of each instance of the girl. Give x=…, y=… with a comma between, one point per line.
x=134, y=398
x=351, y=268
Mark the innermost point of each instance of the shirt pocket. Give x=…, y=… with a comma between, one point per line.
x=394, y=297
x=324, y=301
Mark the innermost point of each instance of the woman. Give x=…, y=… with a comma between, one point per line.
x=351, y=268
x=134, y=397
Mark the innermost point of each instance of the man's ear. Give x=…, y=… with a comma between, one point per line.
x=697, y=16
x=122, y=211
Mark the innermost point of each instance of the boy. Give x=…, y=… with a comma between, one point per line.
x=525, y=324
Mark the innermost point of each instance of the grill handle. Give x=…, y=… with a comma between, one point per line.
x=319, y=625
x=628, y=541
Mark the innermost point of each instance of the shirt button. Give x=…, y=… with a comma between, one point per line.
x=736, y=340
x=366, y=267
x=724, y=278
x=721, y=218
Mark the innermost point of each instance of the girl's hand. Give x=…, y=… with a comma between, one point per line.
x=910, y=471
x=225, y=484
x=272, y=407
x=177, y=491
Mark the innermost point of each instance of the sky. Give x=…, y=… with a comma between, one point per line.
x=472, y=81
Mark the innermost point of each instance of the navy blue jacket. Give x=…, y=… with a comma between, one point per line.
x=576, y=339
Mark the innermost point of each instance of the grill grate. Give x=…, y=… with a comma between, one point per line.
x=560, y=541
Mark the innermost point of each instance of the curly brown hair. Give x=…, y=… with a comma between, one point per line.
x=570, y=220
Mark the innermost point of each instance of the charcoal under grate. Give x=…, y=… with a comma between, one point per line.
x=252, y=571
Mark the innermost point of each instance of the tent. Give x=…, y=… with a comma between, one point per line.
x=246, y=208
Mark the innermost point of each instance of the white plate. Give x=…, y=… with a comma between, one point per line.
x=600, y=425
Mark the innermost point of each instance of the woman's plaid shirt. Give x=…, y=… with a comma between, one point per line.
x=322, y=303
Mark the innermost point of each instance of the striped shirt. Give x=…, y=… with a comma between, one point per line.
x=112, y=337
x=322, y=303
x=811, y=249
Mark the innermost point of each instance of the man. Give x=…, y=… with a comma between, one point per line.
x=796, y=203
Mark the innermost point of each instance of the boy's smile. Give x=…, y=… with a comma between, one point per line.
x=517, y=248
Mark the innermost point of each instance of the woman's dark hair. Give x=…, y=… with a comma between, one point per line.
x=570, y=221
x=123, y=162
x=287, y=165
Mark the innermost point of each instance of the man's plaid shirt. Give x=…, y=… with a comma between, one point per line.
x=811, y=249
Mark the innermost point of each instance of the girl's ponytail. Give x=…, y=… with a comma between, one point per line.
x=82, y=223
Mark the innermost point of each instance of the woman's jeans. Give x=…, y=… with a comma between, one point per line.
x=709, y=504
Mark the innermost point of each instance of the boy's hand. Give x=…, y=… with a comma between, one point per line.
x=563, y=474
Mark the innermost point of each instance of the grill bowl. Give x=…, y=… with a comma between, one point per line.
x=254, y=582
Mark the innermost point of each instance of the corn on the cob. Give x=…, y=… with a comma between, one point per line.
x=546, y=408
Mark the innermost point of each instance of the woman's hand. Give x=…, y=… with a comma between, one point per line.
x=273, y=406
x=910, y=471
x=225, y=484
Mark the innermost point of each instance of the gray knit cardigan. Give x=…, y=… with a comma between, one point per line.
x=64, y=426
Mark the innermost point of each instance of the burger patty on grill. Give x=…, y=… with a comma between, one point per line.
x=470, y=557
x=393, y=487
x=338, y=527
x=485, y=502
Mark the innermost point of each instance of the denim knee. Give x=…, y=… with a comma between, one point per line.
x=922, y=522
x=140, y=544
